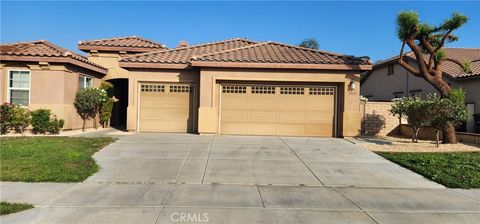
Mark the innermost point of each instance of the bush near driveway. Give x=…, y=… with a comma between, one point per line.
x=7, y=207
x=49, y=159
x=452, y=169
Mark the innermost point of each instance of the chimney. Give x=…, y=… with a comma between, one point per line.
x=183, y=44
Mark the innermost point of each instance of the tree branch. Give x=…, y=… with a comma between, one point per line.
x=444, y=38
x=458, y=62
x=405, y=65
x=419, y=58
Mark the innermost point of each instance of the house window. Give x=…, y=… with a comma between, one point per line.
x=85, y=82
x=397, y=94
x=390, y=69
x=19, y=87
x=416, y=93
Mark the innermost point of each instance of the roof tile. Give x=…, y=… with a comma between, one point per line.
x=42, y=48
x=119, y=43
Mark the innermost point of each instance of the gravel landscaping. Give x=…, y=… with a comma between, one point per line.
x=396, y=144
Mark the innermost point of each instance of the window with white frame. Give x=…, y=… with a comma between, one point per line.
x=19, y=87
x=416, y=93
x=85, y=82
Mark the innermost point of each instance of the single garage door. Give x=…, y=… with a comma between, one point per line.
x=166, y=107
x=278, y=110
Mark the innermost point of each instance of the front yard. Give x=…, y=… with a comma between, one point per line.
x=451, y=169
x=49, y=159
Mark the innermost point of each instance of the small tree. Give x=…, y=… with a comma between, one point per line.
x=450, y=111
x=20, y=119
x=426, y=42
x=86, y=104
x=311, y=43
x=417, y=111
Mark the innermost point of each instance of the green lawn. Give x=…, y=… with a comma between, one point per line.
x=49, y=159
x=455, y=170
x=7, y=207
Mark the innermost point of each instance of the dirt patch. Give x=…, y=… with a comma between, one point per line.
x=397, y=144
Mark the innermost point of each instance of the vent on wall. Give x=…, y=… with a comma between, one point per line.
x=234, y=89
x=263, y=90
x=292, y=90
x=322, y=91
x=152, y=88
x=180, y=89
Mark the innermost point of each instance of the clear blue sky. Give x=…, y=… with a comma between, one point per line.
x=357, y=28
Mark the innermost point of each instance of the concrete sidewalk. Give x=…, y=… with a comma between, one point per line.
x=181, y=178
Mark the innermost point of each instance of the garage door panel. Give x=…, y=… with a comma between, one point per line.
x=166, y=107
x=277, y=110
x=291, y=116
x=262, y=116
x=235, y=116
x=262, y=128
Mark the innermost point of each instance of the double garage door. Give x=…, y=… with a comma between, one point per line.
x=166, y=107
x=247, y=109
x=278, y=110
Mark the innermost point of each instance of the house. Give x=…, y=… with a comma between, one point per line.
x=388, y=80
x=234, y=86
x=39, y=74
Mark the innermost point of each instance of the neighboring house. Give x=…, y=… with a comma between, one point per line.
x=39, y=74
x=388, y=79
x=235, y=86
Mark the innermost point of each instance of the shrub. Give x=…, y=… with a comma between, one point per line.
x=55, y=125
x=105, y=110
x=5, y=117
x=417, y=111
x=20, y=119
x=449, y=111
x=13, y=117
x=43, y=121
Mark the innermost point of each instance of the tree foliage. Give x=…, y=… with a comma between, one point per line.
x=311, y=43
x=433, y=111
x=87, y=103
x=416, y=111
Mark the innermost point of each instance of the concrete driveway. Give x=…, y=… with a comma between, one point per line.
x=182, y=178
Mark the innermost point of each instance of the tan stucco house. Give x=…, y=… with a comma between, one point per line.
x=235, y=86
x=388, y=80
x=39, y=74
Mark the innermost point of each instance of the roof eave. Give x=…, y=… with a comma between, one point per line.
x=55, y=60
x=86, y=48
x=153, y=65
x=281, y=66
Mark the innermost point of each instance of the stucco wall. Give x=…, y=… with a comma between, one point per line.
x=53, y=87
x=377, y=119
x=349, y=113
x=380, y=87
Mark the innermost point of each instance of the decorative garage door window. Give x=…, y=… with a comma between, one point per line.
x=263, y=89
x=322, y=91
x=152, y=88
x=234, y=89
x=180, y=89
x=292, y=90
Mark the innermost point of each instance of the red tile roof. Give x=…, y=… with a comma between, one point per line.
x=182, y=55
x=129, y=44
x=42, y=50
x=451, y=69
x=245, y=53
x=272, y=52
